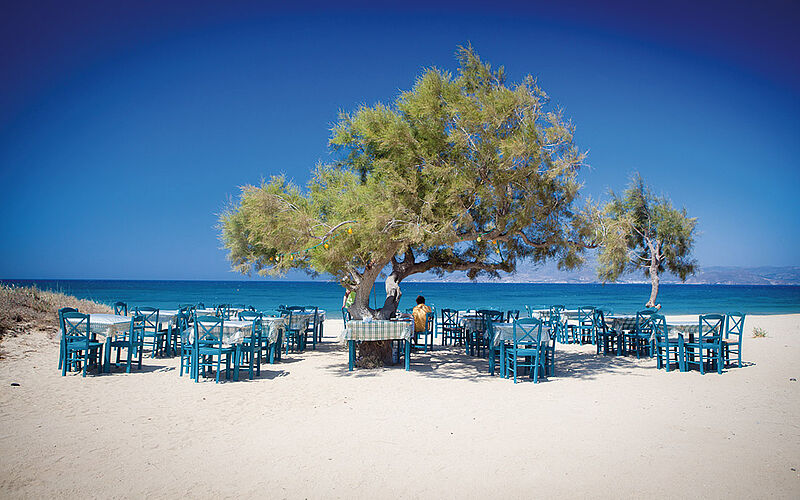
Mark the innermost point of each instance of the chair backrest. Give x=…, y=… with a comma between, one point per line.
x=199, y=305
x=136, y=330
x=711, y=327
x=121, y=308
x=644, y=321
x=527, y=331
x=430, y=322
x=208, y=331
x=555, y=314
x=492, y=314
x=345, y=316
x=150, y=317
x=223, y=311
x=734, y=326
x=61, y=317
x=77, y=329
x=659, y=325
x=248, y=315
x=182, y=319
x=449, y=318
x=600, y=320
x=511, y=315
x=586, y=316
x=312, y=324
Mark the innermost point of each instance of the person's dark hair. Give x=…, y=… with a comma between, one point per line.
x=420, y=299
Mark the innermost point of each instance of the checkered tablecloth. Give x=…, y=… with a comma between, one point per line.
x=472, y=323
x=621, y=323
x=504, y=332
x=378, y=330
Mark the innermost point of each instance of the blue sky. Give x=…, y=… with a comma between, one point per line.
x=124, y=128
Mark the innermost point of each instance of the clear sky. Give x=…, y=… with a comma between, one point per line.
x=125, y=126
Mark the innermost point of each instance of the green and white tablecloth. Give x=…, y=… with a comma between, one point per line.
x=378, y=330
x=504, y=332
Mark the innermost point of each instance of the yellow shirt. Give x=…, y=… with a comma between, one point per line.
x=419, y=312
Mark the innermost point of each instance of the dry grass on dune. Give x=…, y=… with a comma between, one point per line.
x=25, y=309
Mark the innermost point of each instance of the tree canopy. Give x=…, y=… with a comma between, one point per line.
x=644, y=232
x=462, y=173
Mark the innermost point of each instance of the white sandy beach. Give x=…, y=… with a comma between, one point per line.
x=602, y=427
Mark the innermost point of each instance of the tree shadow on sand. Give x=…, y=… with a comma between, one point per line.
x=453, y=363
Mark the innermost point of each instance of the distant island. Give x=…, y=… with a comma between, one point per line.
x=711, y=275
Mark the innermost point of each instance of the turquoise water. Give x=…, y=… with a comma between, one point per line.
x=675, y=299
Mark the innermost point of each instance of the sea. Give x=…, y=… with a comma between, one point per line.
x=268, y=295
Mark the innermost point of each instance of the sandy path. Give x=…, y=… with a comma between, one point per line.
x=603, y=426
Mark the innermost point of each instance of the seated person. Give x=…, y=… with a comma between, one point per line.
x=419, y=312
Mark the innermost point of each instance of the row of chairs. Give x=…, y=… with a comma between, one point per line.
x=718, y=338
x=453, y=331
x=80, y=349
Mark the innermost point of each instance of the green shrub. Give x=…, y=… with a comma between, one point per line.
x=759, y=332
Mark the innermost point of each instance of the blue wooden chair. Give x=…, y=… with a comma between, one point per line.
x=153, y=335
x=430, y=329
x=120, y=308
x=318, y=324
x=208, y=350
x=550, y=353
x=61, y=331
x=706, y=348
x=495, y=351
x=511, y=315
x=732, y=343
x=639, y=340
x=186, y=334
x=312, y=330
x=249, y=351
x=667, y=349
x=80, y=348
x=608, y=340
x=525, y=351
x=452, y=332
x=585, y=330
x=557, y=323
x=293, y=331
x=223, y=311
x=132, y=341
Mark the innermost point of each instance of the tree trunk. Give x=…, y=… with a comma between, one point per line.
x=653, y=281
x=375, y=354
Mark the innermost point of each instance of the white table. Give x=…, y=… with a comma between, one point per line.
x=108, y=325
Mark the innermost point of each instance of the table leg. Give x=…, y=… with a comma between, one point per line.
x=351, y=345
x=106, y=368
x=503, y=359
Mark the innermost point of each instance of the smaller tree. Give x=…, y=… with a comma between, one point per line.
x=644, y=231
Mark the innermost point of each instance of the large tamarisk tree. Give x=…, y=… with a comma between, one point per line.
x=644, y=232
x=462, y=173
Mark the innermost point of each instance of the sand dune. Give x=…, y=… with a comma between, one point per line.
x=602, y=427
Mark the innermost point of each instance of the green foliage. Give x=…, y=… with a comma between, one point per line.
x=759, y=333
x=462, y=173
x=640, y=230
